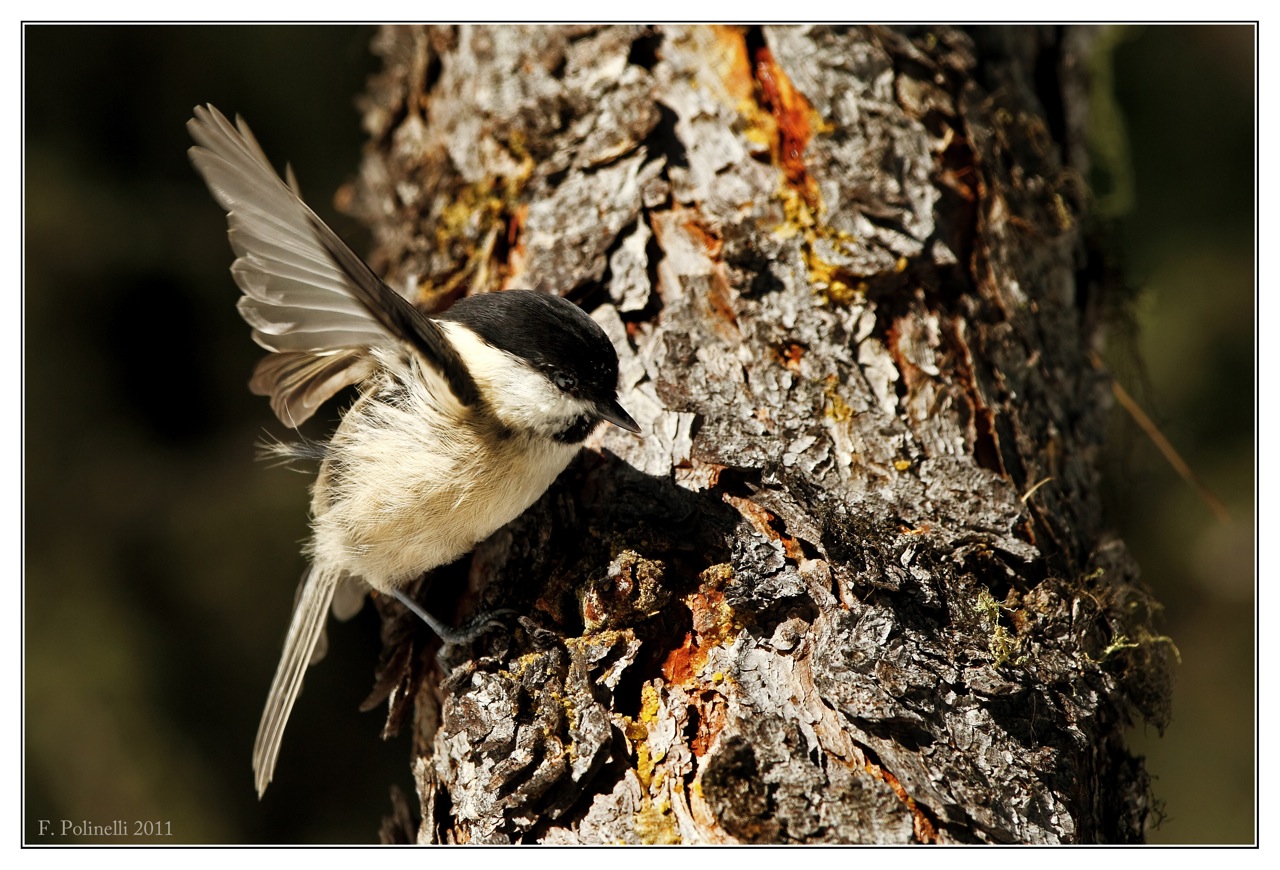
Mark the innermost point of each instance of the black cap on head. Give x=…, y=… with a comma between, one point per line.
x=554, y=336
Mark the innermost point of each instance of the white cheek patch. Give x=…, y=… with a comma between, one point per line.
x=520, y=397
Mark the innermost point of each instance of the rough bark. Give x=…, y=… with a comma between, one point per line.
x=853, y=585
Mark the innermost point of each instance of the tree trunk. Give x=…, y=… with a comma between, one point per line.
x=853, y=585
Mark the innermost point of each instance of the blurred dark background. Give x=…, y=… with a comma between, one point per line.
x=160, y=558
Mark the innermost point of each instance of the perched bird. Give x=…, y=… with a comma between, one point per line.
x=462, y=421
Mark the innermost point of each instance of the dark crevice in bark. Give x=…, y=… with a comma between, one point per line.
x=753, y=38
x=663, y=141
x=644, y=49
x=926, y=825
x=1047, y=80
x=431, y=75
x=653, y=255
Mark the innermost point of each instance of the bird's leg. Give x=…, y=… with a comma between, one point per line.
x=452, y=636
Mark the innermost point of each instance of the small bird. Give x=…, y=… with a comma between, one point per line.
x=461, y=423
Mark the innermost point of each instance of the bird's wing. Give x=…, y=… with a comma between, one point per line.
x=298, y=383
x=306, y=294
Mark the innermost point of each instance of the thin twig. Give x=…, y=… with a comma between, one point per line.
x=1170, y=453
x=1033, y=489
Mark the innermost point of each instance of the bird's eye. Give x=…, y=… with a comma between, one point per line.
x=564, y=381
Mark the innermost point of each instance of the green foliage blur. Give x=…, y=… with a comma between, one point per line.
x=1183, y=345
x=160, y=558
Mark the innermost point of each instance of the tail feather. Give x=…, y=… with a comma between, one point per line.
x=304, y=632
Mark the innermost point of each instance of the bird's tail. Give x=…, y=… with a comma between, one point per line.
x=304, y=631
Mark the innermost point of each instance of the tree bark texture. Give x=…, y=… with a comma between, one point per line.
x=853, y=585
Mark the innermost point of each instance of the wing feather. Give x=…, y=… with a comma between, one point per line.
x=306, y=292
x=298, y=383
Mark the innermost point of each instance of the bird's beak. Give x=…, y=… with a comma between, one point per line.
x=614, y=413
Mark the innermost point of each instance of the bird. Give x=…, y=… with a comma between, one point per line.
x=462, y=420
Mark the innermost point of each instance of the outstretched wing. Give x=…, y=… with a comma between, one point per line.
x=307, y=295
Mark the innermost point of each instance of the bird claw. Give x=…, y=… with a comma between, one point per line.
x=454, y=636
